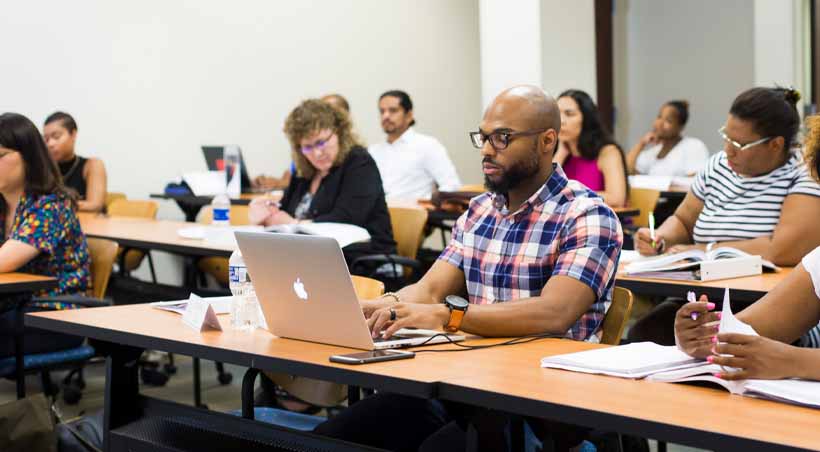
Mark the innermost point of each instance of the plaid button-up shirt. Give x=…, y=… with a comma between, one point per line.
x=562, y=229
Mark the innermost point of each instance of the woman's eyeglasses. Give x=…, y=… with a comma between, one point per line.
x=738, y=146
x=319, y=144
x=500, y=140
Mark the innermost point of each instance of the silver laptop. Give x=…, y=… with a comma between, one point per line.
x=305, y=292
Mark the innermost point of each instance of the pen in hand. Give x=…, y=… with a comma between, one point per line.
x=652, y=228
x=690, y=297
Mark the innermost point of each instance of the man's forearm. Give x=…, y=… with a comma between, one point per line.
x=515, y=318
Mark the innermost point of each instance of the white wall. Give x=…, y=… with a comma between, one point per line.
x=510, y=45
x=150, y=81
x=699, y=50
x=568, y=46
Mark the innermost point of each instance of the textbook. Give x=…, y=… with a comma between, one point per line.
x=699, y=265
x=344, y=233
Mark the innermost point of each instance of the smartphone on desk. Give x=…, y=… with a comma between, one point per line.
x=373, y=356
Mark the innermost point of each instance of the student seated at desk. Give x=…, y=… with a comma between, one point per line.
x=587, y=152
x=272, y=183
x=336, y=180
x=535, y=255
x=41, y=233
x=756, y=195
x=86, y=176
x=664, y=151
x=790, y=310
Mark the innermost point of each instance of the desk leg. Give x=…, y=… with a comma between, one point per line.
x=247, y=392
x=121, y=388
x=19, y=362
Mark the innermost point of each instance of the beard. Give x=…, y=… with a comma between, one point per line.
x=513, y=176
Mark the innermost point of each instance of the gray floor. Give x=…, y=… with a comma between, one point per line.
x=179, y=389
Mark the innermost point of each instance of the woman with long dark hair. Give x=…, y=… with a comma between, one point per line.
x=41, y=233
x=587, y=151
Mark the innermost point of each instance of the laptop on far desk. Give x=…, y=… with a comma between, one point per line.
x=214, y=158
x=305, y=291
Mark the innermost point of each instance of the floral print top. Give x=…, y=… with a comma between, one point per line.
x=48, y=223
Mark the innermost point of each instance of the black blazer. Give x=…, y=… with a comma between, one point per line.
x=351, y=193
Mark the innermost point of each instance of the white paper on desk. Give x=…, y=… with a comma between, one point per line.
x=221, y=305
x=206, y=183
x=635, y=360
x=200, y=315
x=660, y=183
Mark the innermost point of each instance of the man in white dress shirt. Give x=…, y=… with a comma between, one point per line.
x=411, y=164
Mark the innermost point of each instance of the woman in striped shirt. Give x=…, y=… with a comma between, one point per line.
x=780, y=317
x=754, y=195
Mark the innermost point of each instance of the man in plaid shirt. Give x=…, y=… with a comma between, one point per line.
x=537, y=254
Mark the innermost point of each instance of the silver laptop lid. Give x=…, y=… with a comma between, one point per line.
x=304, y=288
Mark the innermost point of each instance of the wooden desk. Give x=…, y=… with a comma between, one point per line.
x=16, y=283
x=511, y=380
x=150, y=234
x=504, y=378
x=191, y=204
x=146, y=327
x=16, y=289
x=747, y=289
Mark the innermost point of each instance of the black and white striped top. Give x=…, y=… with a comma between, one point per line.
x=743, y=208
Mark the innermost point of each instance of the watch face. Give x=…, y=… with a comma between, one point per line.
x=456, y=302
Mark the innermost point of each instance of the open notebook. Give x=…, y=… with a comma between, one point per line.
x=668, y=364
x=344, y=233
x=699, y=265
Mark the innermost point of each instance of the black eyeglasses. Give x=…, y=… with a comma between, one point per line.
x=500, y=140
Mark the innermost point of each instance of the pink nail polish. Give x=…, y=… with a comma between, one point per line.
x=717, y=375
x=710, y=305
x=710, y=359
x=714, y=339
x=720, y=315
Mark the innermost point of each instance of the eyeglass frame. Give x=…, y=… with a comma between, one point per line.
x=320, y=144
x=738, y=146
x=485, y=137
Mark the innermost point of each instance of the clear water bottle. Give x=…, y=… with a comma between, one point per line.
x=221, y=208
x=244, y=306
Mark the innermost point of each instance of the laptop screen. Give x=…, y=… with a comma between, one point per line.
x=213, y=158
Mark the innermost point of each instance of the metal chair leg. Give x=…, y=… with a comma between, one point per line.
x=151, y=267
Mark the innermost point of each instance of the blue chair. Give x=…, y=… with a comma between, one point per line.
x=282, y=418
x=102, y=253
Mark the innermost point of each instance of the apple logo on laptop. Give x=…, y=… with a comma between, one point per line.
x=299, y=289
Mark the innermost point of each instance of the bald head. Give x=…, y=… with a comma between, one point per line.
x=524, y=107
x=337, y=101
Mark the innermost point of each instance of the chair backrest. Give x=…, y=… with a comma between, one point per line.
x=239, y=215
x=103, y=252
x=133, y=208
x=645, y=200
x=113, y=196
x=367, y=288
x=617, y=316
x=408, y=229
x=473, y=187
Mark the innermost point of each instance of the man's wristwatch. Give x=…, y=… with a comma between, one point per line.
x=458, y=307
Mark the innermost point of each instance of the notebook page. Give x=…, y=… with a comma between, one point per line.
x=794, y=391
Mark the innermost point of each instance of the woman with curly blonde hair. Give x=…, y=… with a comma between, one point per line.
x=790, y=312
x=336, y=179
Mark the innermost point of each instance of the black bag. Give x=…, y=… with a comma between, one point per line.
x=26, y=425
x=84, y=434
